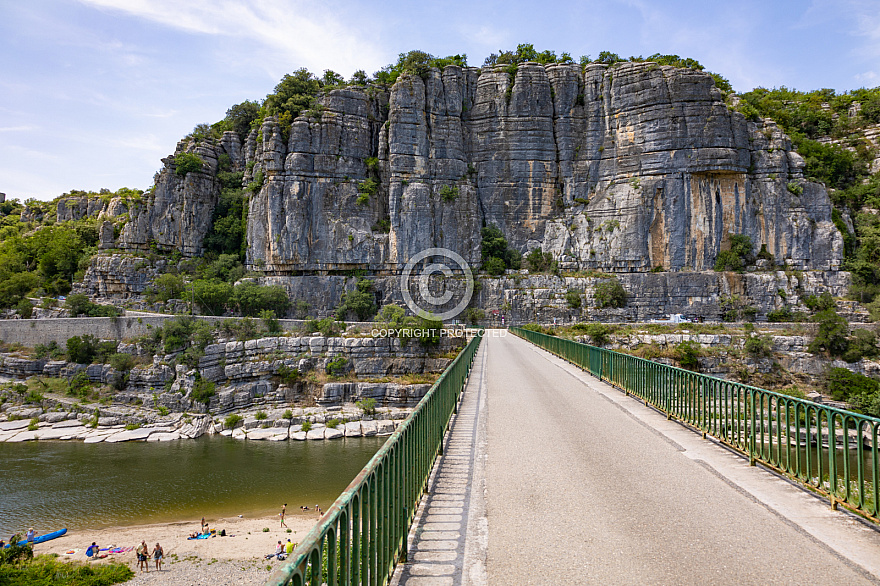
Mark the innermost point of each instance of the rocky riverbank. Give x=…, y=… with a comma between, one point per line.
x=31, y=423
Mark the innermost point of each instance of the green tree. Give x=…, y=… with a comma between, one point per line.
x=361, y=302
x=833, y=334
x=187, y=163
x=250, y=299
x=609, y=293
x=494, y=246
x=212, y=295
x=241, y=116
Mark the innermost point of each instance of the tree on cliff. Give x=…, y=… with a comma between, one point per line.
x=497, y=256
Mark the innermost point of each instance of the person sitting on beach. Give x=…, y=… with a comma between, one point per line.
x=279, y=549
x=206, y=530
x=92, y=551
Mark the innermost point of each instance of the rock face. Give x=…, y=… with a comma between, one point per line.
x=620, y=169
x=176, y=212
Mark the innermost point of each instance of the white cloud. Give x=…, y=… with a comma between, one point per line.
x=868, y=77
x=18, y=128
x=306, y=32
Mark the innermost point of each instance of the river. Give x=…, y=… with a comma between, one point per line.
x=49, y=485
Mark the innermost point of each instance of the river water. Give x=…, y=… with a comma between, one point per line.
x=50, y=485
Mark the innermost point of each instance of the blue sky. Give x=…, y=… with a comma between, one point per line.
x=94, y=92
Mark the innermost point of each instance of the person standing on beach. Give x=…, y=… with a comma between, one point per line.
x=283, y=512
x=158, y=554
x=142, y=551
x=29, y=536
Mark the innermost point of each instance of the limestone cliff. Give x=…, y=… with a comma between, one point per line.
x=620, y=169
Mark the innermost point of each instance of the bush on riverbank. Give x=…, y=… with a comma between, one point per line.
x=46, y=570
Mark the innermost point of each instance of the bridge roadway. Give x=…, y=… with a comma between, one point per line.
x=552, y=477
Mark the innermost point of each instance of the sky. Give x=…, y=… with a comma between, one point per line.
x=93, y=93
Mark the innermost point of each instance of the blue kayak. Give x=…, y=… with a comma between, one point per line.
x=42, y=538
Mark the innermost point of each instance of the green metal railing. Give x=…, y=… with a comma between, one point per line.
x=363, y=535
x=831, y=451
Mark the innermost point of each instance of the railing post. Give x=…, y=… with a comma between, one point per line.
x=752, y=447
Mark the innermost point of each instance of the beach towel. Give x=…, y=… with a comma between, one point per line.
x=202, y=536
x=71, y=551
x=120, y=549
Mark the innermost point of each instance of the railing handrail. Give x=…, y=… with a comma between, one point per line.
x=420, y=444
x=749, y=419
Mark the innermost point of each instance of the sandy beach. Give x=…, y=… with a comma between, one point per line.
x=238, y=558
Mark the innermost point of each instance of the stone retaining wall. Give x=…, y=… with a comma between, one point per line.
x=30, y=332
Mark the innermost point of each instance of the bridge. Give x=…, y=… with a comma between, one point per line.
x=536, y=460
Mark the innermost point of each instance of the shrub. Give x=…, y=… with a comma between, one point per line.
x=727, y=260
x=361, y=302
x=862, y=344
x=425, y=330
x=449, y=193
x=367, y=406
x=25, y=309
x=163, y=410
x=832, y=334
x=573, y=298
x=122, y=362
x=758, y=346
x=538, y=261
x=79, y=304
x=80, y=385
x=50, y=350
x=34, y=397
x=781, y=315
x=853, y=387
x=494, y=246
x=166, y=286
x=288, y=414
x=494, y=266
x=34, y=424
x=821, y=303
x=261, y=415
x=187, y=163
x=333, y=423
x=15, y=554
x=794, y=188
x=306, y=426
x=391, y=314
x=251, y=299
x=473, y=315
x=687, y=354
x=232, y=420
x=328, y=326
x=609, y=293
x=270, y=322
x=202, y=390
x=598, y=333
x=337, y=366
x=82, y=349
x=288, y=375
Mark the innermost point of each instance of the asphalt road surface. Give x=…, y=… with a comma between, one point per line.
x=584, y=485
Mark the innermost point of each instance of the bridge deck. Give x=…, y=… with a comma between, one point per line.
x=552, y=477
